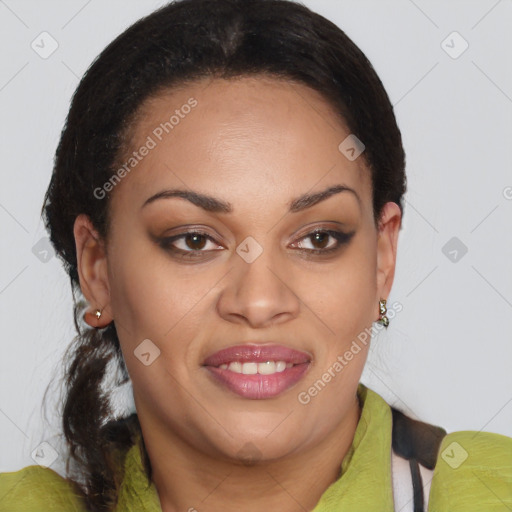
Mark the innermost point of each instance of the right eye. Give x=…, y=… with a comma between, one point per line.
x=189, y=244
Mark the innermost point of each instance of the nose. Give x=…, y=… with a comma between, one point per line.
x=259, y=293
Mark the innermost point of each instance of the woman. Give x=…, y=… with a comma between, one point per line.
x=227, y=196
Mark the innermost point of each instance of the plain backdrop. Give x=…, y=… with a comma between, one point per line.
x=446, y=357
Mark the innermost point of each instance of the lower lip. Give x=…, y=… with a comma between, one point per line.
x=258, y=387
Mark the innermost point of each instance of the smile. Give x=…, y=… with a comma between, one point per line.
x=253, y=367
x=256, y=371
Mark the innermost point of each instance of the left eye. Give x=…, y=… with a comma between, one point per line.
x=320, y=240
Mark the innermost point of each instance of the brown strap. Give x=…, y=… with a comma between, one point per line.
x=417, y=486
x=418, y=442
x=413, y=439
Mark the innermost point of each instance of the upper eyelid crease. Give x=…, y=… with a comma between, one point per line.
x=214, y=205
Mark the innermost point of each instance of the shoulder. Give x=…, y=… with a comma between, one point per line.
x=473, y=472
x=35, y=488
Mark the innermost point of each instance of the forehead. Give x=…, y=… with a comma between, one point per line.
x=252, y=138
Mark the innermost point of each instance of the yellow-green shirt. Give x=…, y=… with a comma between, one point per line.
x=473, y=473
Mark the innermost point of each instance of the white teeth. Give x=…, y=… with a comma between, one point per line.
x=280, y=366
x=235, y=367
x=253, y=368
x=267, y=368
x=250, y=368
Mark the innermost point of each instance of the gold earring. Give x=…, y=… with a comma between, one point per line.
x=383, y=319
x=98, y=313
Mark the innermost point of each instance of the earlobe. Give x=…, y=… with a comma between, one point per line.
x=387, y=243
x=92, y=270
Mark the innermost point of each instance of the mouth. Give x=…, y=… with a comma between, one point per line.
x=257, y=371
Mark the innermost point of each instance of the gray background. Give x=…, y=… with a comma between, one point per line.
x=446, y=358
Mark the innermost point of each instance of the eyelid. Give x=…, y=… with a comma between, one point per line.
x=325, y=227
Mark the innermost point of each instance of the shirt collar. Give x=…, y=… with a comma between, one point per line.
x=365, y=481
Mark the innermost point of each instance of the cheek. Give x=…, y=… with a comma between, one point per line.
x=343, y=296
x=156, y=299
x=150, y=303
x=145, y=298
x=347, y=309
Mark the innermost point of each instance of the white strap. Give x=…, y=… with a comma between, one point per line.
x=402, y=483
x=403, y=495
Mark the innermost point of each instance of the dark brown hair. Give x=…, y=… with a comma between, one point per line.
x=184, y=41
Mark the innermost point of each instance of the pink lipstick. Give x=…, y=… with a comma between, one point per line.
x=258, y=371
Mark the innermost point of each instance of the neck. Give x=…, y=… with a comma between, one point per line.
x=187, y=479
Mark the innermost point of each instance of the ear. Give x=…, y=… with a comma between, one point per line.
x=389, y=227
x=92, y=271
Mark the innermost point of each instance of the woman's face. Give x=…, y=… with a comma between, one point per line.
x=255, y=157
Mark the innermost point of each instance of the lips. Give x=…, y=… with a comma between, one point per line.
x=258, y=354
x=257, y=371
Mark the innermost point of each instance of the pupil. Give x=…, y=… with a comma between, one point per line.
x=322, y=238
x=195, y=242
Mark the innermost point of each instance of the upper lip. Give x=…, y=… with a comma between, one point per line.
x=258, y=353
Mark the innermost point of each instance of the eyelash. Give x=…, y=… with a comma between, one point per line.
x=341, y=238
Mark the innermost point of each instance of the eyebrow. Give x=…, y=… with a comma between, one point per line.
x=214, y=205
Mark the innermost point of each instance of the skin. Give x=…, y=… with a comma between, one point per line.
x=256, y=143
